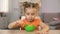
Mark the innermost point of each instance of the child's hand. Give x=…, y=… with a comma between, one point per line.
x=19, y=22
x=41, y=32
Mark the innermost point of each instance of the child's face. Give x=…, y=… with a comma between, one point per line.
x=30, y=13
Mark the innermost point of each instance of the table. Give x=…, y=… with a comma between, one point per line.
x=24, y=32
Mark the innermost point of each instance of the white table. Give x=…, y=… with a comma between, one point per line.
x=25, y=32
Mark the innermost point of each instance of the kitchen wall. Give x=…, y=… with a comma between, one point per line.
x=13, y=10
x=50, y=6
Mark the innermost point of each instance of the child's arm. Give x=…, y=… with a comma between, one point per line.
x=14, y=24
x=45, y=27
x=44, y=30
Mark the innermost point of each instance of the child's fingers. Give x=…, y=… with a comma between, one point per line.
x=47, y=32
x=39, y=32
x=36, y=32
x=44, y=33
x=19, y=22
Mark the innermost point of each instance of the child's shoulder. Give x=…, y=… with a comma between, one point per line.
x=37, y=18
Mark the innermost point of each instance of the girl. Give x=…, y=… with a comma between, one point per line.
x=30, y=12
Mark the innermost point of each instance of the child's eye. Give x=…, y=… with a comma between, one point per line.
x=27, y=13
x=32, y=14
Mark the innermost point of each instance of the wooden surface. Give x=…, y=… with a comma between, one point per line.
x=24, y=32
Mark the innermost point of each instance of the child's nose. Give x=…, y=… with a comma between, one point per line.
x=30, y=16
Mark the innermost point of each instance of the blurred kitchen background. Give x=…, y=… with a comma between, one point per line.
x=10, y=10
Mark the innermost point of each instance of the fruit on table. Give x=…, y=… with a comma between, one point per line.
x=29, y=28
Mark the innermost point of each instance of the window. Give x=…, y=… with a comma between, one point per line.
x=3, y=5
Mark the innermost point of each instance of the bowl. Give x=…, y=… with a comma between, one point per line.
x=29, y=28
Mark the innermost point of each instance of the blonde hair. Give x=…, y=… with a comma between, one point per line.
x=29, y=5
x=34, y=1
